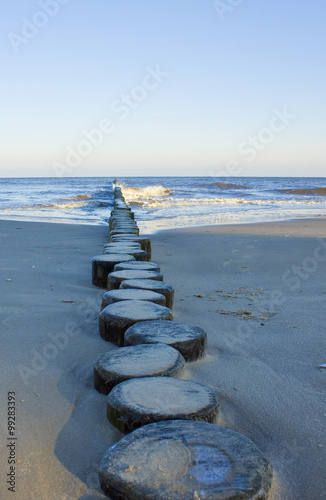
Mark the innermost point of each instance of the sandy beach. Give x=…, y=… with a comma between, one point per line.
x=259, y=292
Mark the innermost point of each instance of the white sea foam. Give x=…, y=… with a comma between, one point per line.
x=60, y=206
x=193, y=202
x=147, y=193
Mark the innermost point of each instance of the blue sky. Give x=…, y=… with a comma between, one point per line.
x=163, y=87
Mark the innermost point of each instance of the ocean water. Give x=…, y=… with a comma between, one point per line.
x=164, y=202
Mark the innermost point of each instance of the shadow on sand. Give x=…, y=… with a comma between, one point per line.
x=87, y=435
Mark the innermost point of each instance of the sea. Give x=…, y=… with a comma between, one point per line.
x=164, y=202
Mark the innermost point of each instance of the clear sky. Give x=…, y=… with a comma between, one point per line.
x=163, y=87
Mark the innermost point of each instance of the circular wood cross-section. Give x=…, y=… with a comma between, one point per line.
x=185, y=460
x=117, y=277
x=117, y=219
x=120, y=249
x=132, y=230
x=116, y=318
x=135, y=252
x=128, y=249
x=125, y=363
x=133, y=294
x=145, y=242
x=142, y=401
x=189, y=340
x=124, y=227
x=156, y=286
x=136, y=264
x=102, y=265
x=115, y=244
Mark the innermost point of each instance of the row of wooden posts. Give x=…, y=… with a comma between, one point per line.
x=163, y=415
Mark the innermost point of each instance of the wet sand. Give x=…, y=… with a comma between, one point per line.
x=258, y=290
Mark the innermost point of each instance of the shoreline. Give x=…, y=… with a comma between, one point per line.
x=310, y=227
x=79, y=222
x=142, y=223
x=145, y=226
x=264, y=365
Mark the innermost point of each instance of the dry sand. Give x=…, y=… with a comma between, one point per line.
x=266, y=340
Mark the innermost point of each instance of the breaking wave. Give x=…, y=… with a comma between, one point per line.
x=79, y=201
x=55, y=206
x=133, y=195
